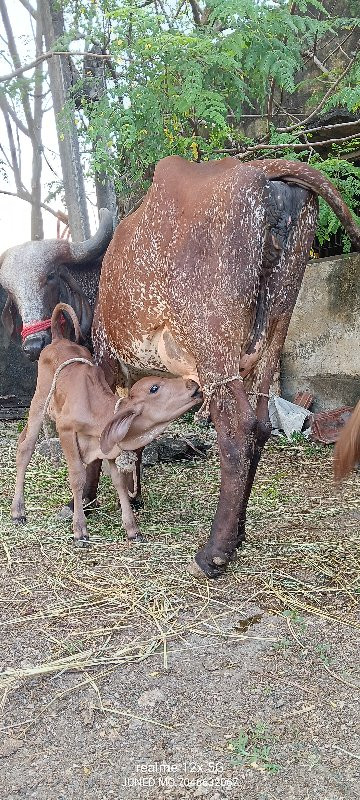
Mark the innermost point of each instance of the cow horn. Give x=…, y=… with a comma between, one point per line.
x=82, y=253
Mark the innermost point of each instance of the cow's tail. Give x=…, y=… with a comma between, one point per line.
x=347, y=448
x=302, y=174
x=56, y=321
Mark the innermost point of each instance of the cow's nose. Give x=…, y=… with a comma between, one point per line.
x=33, y=346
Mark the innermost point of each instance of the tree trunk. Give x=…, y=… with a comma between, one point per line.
x=37, y=228
x=94, y=89
x=60, y=82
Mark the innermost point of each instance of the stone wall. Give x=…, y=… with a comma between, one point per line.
x=322, y=349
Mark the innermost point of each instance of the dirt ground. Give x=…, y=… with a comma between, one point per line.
x=123, y=677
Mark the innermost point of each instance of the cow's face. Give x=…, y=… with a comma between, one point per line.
x=30, y=275
x=36, y=277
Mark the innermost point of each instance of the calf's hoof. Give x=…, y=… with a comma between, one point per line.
x=138, y=539
x=19, y=520
x=82, y=542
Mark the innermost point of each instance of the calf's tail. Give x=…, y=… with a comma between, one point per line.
x=56, y=331
x=296, y=172
x=347, y=448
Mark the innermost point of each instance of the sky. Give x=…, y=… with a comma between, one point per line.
x=15, y=213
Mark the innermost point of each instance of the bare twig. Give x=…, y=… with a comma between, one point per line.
x=304, y=146
x=24, y=195
x=28, y=7
x=325, y=98
x=44, y=57
x=340, y=46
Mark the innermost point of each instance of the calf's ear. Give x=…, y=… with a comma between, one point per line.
x=8, y=319
x=118, y=427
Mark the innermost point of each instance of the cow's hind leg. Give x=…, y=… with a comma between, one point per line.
x=262, y=433
x=236, y=425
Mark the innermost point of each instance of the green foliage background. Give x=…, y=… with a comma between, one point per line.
x=177, y=86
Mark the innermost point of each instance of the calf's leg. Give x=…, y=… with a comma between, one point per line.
x=77, y=479
x=25, y=449
x=119, y=480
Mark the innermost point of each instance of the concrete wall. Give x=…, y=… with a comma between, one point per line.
x=322, y=349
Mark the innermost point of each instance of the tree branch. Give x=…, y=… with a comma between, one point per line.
x=17, y=63
x=309, y=146
x=44, y=57
x=325, y=98
x=28, y=199
x=14, y=158
x=196, y=12
x=5, y=105
x=28, y=7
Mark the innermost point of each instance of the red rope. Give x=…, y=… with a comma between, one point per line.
x=35, y=327
x=43, y=325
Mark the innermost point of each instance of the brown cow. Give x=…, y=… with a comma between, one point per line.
x=200, y=281
x=89, y=422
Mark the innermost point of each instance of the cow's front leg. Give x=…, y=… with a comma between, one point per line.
x=236, y=426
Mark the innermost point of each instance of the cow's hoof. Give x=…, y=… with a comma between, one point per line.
x=195, y=570
x=19, y=520
x=83, y=542
x=212, y=566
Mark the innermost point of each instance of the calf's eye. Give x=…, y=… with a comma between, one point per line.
x=154, y=389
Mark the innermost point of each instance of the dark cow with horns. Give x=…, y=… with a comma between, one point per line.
x=200, y=281
x=38, y=275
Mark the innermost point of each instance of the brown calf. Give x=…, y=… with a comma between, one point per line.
x=88, y=422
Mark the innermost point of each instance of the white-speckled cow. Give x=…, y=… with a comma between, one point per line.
x=200, y=282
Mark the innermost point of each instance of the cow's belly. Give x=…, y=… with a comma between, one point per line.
x=159, y=351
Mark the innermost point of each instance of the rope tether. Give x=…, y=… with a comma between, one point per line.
x=209, y=390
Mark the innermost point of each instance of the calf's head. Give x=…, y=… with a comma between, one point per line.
x=36, y=277
x=151, y=405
